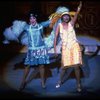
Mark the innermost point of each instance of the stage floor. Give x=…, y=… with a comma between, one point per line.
x=12, y=72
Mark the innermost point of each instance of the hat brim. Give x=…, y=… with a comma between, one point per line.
x=65, y=13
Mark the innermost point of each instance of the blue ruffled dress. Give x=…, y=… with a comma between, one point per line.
x=37, y=50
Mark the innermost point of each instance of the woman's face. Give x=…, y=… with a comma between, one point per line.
x=66, y=18
x=33, y=20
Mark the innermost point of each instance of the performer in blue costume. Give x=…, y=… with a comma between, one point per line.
x=37, y=54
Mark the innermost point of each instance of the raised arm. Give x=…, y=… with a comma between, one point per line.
x=76, y=14
x=46, y=23
x=55, y=39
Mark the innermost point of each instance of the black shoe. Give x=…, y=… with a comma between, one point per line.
x=22, y=86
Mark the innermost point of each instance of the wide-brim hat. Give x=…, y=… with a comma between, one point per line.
x=65, y=13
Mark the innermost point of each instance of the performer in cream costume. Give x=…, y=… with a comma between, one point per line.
x=71, y=51
x=69, y=42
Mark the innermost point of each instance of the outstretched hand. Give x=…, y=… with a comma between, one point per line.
x=80, y=6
